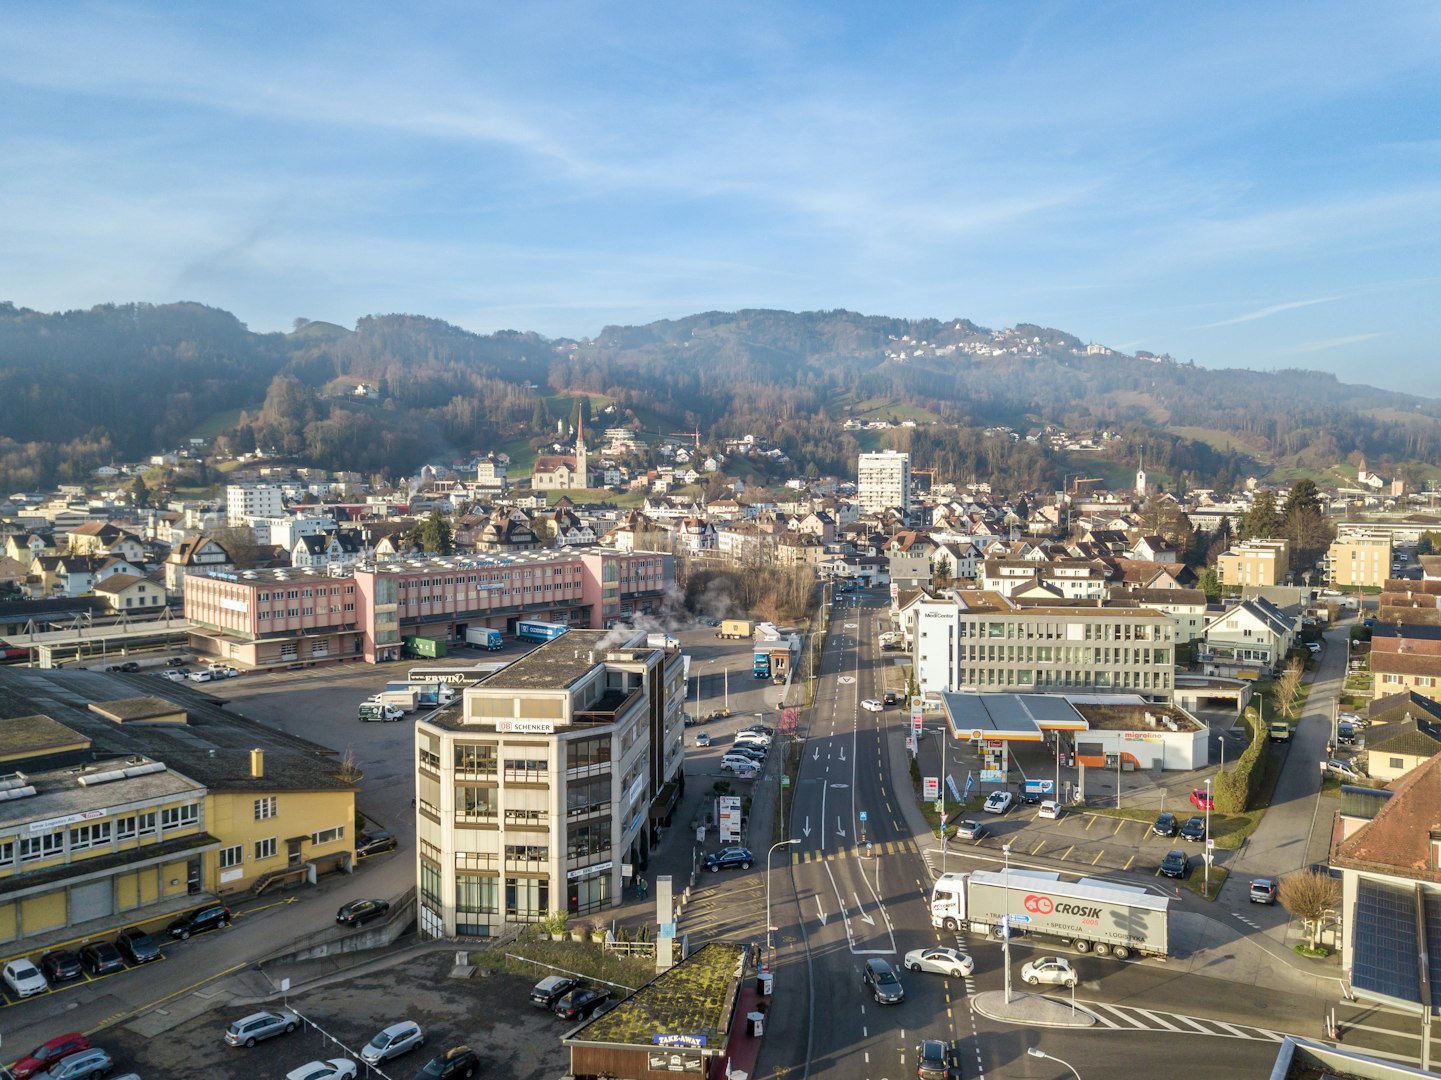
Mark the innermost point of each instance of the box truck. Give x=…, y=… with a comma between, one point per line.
x=404, y=700
x=735, y=628
x=380, y=712
x=662, y=641
x=1089, y=915
x=534, y=630
x=416, y=645
x=427, y=692
x=484, y=637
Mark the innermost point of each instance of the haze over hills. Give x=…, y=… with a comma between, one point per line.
x=117, y=382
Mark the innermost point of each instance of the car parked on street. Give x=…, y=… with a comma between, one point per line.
x=101, y=958
x=883, y=982
x=732, y=858
x=753, y=738
x=82, y=1066
x=359, y=912
x=209, y=917
x=128, y=667
x=1278, y=731
x=47, y=1054
x=1194, y=831
x=172, y=675
x=580, y=1003
x=550, y=990
x=998, y=802
x=61, y=965
x=1263, y=891
x=259, y=1026
x=941, y=961
x=330, y=1069
x=137, y=946
x=24, y=978
x=1201, y=799
x=392, y=1041
x=1051, y=970
x=1165, y=825
x=1176, y=864
x=1342, y=770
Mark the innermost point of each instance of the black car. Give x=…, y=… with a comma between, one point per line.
x=198, y=921
x=735, y=858
x=580, y=1003
x=1165, y=825
x=137, y=946
x=550, y=990
x=358, y=912
x=1194, y=830
x=1029, y=798
x=62, y=965
x=128, y=666
x=457, y=1061
x=888, y=698
x=1174, y=864
x=101, y=958
x=934, y=1061
x=375, y=843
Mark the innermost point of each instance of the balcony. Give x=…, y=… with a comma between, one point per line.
x=608, y=708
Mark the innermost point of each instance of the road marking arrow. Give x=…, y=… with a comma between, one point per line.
x=817, y=755
x=861, y=911
x=839, y=831
x=807, y=829
x=820, y=911
x=843, y=754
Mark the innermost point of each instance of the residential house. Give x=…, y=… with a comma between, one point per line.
x=695, y=535
x=1406, y=657
x=197, y=555
x=507, y=530
x=103, y=538
x=322, y=550
x=131, y=594
x=1153, y=547
x=1394, y=749
x=1248, y=640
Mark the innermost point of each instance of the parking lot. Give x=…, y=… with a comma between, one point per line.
x=492, y=1015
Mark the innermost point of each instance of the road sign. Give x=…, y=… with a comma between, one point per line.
x=863, y=815
x=931, y=788
x=785, y=782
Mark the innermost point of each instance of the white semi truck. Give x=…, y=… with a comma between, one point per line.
x=1089, y=915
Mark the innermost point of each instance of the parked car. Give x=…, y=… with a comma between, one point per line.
x=137, y=946
x=764, y=729
x=1194, y=830
x=1165, y=825
x=24, y=978
x=101, y=958
x=969, y=830
x=1175, y=864
x=580, y=1003
x=872, y=705
x=1278, y=731
x=61, y=965
x=1263, y=891
x=1342, y=770
x=702, y=738
x=375, y=844
x=1049, y=809
x=941, y=960
x=751, y=750
x=458, y=1061
x=732, y=858
x=82, y=1065
x=1354, y=719
x=209, y=917
x=1314, y=648
x=201, y=675
x=935, y=1061
x=128, y=666
x=172, y=675
x=883, y=982
x=550, y=990
x=1201, y=799
x=1051, y=970
x=758, y=739
x=739, y=763
x=359, y=912
x=1345, y=733
x=47, y=1054
x=331, y=1069
x=998, y=802
x=259, y=1026
x=392, y=1041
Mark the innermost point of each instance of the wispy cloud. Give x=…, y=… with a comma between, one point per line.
x=1332, y=343
x=1266, y=312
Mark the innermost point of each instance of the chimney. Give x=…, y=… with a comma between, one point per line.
x=257, y=762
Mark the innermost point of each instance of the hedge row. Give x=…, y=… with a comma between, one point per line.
x=1236, y=789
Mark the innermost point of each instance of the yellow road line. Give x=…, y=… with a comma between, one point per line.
x=1089, y=822
x=1037, y=849
x=115, y=1018
x=1098, y=856
x=1067, y=853
x=1119, y=824
x=1129, y=861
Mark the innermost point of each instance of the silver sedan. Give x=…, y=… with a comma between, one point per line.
x=942, y=961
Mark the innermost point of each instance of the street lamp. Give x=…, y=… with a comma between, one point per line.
x=770, y=930
x=1006, y=923
x=1037, y=1052
x=1207, y=855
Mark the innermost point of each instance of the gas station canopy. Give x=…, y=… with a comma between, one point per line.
x=1012, y=717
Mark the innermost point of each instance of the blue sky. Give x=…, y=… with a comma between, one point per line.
x=1238, y=184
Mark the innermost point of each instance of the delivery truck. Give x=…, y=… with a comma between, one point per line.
x=735, y=628
x=378, y=711
x=404, y=700
x=534, y=630
x=1089, y=915
x=428, y=693
x=662, y=641
x=484, y=637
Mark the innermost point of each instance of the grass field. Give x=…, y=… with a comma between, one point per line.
x=215, y=423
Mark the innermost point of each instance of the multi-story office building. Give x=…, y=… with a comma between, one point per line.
x=543, y=780
x=1360, y=561
x=264, y=618
x=246, y=502
x=883, y=481
x=984, y=642
x=1254, y=563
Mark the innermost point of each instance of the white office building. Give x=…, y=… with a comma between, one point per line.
x=246, y=502
x=883, y=481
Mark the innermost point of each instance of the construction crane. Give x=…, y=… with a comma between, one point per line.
x=689, y=435
x=1079, y=480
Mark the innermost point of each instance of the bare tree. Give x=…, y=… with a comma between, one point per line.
x=1312, y=897
x=1288, y=686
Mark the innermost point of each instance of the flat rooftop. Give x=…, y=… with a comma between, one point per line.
x=561, y=663
x=117, y=781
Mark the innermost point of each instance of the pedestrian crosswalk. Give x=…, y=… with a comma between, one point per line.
x=857, y=851
x=1131, y=1018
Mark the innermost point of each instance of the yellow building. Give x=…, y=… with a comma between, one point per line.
x=79, y=844
x=1360, y=561
x=1254, y=563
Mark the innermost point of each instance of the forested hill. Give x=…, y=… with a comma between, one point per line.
x=118, y=382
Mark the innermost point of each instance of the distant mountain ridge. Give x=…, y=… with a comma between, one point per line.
x=122, y=381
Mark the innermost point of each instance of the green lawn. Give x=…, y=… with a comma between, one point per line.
x=215, y=423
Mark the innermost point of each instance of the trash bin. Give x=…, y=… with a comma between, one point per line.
x=765, y=983
x=755, y=1024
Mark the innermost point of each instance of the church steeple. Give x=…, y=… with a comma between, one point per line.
x=582, y=464
x=1141, y=478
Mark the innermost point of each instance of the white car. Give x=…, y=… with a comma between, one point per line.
x=998, y=802
x=332, y=1069
x=200, y=676
x=739, y=763
x=1049, y=809
x=1051, y=970
x=392, y=1042
x=942, y=961
x=172, y=675
x=872, y=705
x=703, y=738
x=24, y=978
x=753, y=738
x=1354, y=719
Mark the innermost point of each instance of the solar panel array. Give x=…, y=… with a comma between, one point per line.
x=1383, y=939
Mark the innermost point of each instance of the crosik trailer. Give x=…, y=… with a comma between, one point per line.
x=534, y=630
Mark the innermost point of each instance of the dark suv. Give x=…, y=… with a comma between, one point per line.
x=880, y=978
x=934, y=1061
x=138, y=946
x=455, y=1062
x=198, y=921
